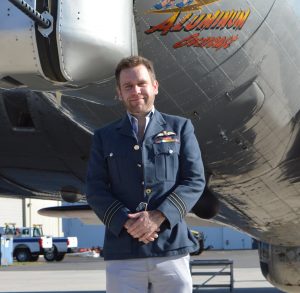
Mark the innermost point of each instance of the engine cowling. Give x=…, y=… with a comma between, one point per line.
x=281, y=266
x=84, y=46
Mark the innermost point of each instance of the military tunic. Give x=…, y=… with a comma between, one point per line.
x=165, y=171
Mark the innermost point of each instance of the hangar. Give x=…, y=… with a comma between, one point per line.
x=23, y=212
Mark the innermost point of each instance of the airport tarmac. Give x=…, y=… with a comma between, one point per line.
x=87, y=275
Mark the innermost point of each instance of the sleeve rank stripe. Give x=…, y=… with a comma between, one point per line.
x=109, y=210
x=173, y=201
x=177, y=205
x=180, y=200
x=113, y=213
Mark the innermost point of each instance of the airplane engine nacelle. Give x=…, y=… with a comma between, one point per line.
x=281, y=266
x=93, y=37
x=86, y=40
x=207, y=206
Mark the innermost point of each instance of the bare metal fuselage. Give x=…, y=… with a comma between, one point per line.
x=233, y=67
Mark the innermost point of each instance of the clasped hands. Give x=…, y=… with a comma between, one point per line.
x=144, y=225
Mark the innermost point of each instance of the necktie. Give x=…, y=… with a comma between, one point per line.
x=141, y=128
x=138, y=125
x=134, y=124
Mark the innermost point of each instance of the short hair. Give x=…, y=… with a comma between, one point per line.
x=131, y=62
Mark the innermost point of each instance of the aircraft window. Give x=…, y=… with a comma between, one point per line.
x=18, y=111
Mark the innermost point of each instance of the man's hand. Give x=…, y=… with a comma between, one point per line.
x=144, y=225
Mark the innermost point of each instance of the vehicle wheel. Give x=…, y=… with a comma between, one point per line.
x=51, y=254
x=23, y=255
x=60, y=256
x=34, y=257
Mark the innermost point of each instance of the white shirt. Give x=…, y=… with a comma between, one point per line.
x=134, y=122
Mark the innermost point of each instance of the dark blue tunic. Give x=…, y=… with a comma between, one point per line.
x=166, y=171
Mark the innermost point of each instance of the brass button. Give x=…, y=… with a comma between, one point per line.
x=139, y=165
x=136, y=147
x=148, y=191
x=171, y=152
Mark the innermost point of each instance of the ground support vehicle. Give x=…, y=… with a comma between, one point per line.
x=200, y=238
x=61, y=246
x=30, y=242
x=27, y=244
x=30, y=248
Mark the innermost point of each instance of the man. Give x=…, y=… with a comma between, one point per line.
x=145, y=173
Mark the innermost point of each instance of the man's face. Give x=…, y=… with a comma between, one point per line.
x=137, y=90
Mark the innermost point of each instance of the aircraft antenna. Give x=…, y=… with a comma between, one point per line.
x=32, y=13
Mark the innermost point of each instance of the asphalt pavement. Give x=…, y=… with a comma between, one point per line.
x=87, y=275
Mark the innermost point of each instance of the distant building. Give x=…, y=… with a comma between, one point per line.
x=88, y=235
x=218, y=238
x=24, y=212
x=222, y=238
